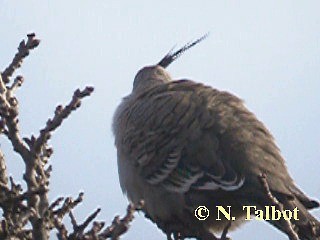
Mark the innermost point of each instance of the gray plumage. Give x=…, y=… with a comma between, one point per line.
x=181, y=144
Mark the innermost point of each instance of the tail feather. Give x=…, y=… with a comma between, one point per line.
x=307, y=227
x=307, y=202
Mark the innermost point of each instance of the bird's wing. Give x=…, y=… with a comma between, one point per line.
x=171, y=134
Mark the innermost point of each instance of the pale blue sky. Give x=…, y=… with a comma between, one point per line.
x=266, y=52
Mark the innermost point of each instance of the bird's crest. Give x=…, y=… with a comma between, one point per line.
x=171, y=56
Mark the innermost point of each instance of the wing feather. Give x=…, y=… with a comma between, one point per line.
x=166, y=126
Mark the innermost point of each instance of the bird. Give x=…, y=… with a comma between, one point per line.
x=182, y=144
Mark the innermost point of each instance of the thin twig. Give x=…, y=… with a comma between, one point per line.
x=225, y=231
x=120, y=226
x=61, y=113
x=23, y=51
x=274, y=201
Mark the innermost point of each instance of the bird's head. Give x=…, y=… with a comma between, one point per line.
x=153, y=75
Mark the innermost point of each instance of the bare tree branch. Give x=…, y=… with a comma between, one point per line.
x=27, y=214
